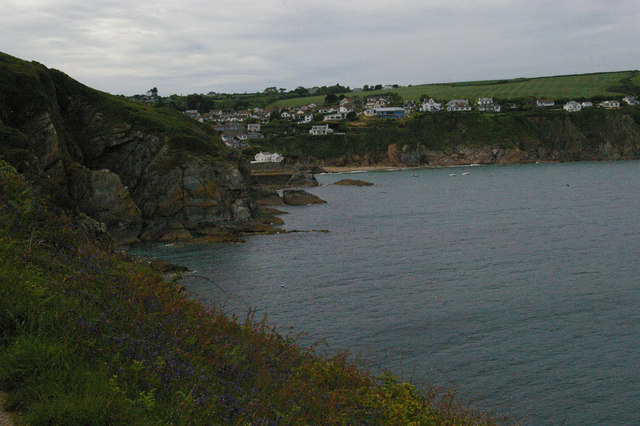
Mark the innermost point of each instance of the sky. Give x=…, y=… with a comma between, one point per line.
x=235, y=46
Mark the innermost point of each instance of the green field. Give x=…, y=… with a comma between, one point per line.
x=558, y=87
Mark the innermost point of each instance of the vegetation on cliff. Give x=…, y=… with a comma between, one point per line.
x=473, y=137
x=89, y=338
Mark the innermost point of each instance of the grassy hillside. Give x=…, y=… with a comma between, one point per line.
x=80, y=114
x=88, y=338
x=558, y=87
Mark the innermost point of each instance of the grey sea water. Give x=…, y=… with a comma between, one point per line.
x=517, y=285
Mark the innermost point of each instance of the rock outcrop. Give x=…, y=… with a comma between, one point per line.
x=139, y=172
x=353, y=182
x=299, y=197
x=302, y=179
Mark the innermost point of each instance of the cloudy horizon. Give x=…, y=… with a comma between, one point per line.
x=128, y=47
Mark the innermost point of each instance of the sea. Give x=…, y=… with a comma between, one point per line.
x=518, y=286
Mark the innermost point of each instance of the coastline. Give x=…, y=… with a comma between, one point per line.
x=374, y=168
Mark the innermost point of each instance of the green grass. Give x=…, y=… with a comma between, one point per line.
x=558, y=87
x=88, y=338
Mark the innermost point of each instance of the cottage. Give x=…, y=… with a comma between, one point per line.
x=586, y=104
x=485, y=101
x=253, y=127
x=458, y=105
x=308, y=118
x=631, y=100
x=322, y=129
x=347, y=107
x=430, y=106
x=335, y=117
x=390, y=112
x=267, y=157
x=543, y=103
x=610, y=104
x=572, y=106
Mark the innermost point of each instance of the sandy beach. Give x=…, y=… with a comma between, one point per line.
x=351, y=169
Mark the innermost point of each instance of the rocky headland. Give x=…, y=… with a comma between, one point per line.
x=135, y=172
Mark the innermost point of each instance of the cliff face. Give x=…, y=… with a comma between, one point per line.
x=449, y=139
x=145, y=173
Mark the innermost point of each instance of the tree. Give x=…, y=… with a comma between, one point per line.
x=331, y=98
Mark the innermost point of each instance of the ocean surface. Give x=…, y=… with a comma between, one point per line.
x=516, y=285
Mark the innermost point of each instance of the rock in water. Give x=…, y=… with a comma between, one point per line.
x=298, y=197
x=300, y=179
x=353, y=182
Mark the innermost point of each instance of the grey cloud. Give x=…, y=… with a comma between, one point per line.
x=196, y=46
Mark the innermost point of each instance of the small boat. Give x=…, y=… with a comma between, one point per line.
x=465, y=174
x=415, y=175
x=452, y=174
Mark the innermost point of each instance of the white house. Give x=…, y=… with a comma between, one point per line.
x=347, y=107
x=458, y=105
x=322, y=129
x=572, y=106
x=267, y=157
x=631, y=100
x=587, y=104
x=430, y=106
x=485, y=101
x=335, y=117
x=544, y=103
x=610, y=104
x=308, y=118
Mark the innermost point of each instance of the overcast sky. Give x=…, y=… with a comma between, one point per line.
x=195, y=46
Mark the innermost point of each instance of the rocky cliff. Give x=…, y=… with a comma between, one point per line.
x=145, y=173
x=442, y=139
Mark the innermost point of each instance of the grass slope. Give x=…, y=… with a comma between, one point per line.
x=86, y=338
x=558, y=87
x=81, y=114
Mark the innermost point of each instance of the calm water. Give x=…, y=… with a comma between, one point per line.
x=518, y=285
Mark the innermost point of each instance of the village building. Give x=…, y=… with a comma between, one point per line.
x=322, y=129
x=631, y=100
x=572, y=106
x=390, y=112
x=347, y=107
x=335, y=117
x=267, y=157
x=308, y=118
x=430, y=106
x=610, y=104
x=458, y=105
x=586, y=104
x=377, y=102
x=253, y=127
x=543, y=103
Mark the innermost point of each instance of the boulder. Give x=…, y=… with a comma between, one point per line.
x=299, y=197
